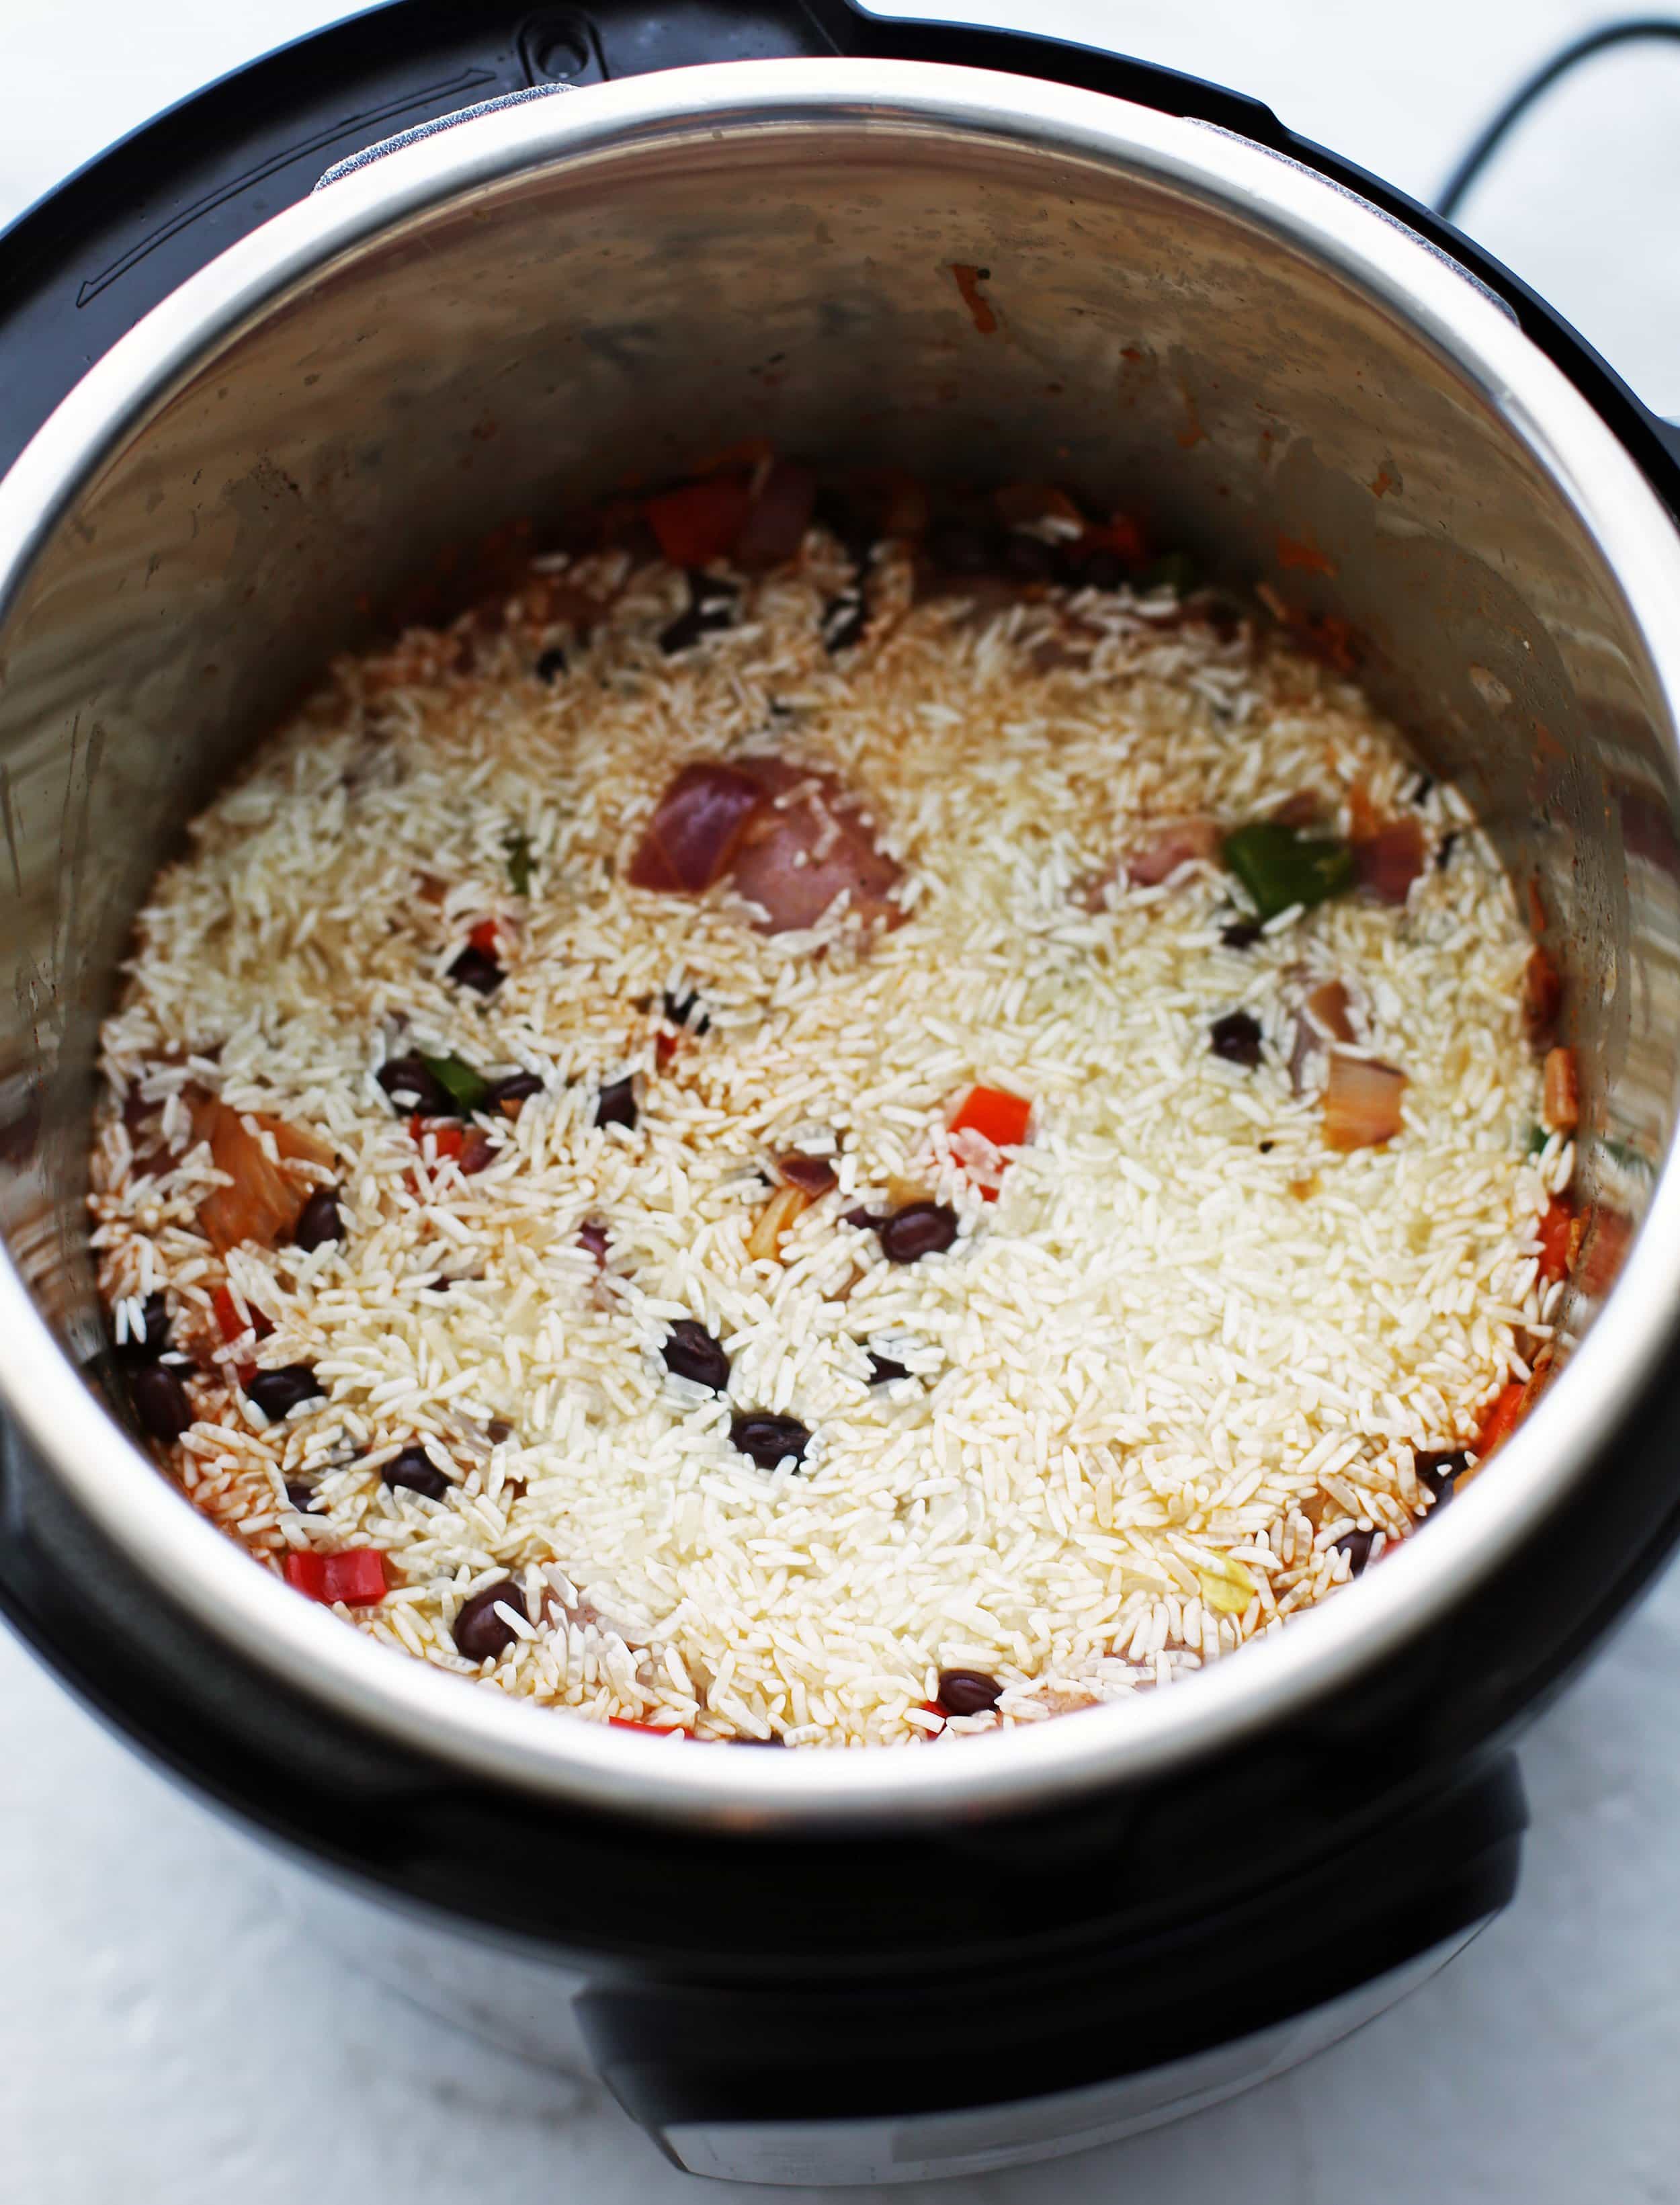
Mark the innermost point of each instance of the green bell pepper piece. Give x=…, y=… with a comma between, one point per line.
x=1280, y=868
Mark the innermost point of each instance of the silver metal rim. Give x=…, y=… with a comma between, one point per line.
x=541, y=1749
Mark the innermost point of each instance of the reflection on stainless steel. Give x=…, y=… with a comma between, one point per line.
x=521, y=314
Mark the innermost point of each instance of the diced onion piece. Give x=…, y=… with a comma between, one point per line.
x=1176, y=842
x=1390, y=858
x=1328, y=1008
x=1561, y=1103
x=777, y=522
x=696, y=828
x=1542, y=998
x=1304, y=808
x=1229, y=1589
x=902, y=1192
x=356, y=1577
x=700, y=521
x=764, y=1241
x=1363, y=818
x=1555, y=1231
x=264, y=1202
x=798, y=855
x=1362, y=1102
x=812, y=1175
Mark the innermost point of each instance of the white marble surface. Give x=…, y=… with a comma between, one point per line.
x=167, y=2037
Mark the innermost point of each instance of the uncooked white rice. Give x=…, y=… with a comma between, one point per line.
x=1184, y=1321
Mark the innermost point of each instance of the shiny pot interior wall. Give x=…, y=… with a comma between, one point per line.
x=607, y=321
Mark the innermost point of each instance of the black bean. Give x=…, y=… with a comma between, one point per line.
x=968, y=1692
x=861, y=1216
x=956, y=547
x=160, y=1402
x=1102, y=570
x=1266, y=1147
x=690, y=1352
x=593, y=1237
x=678, y=1009
x=1028, y=558
x=1236, y=1037
x=276, y=1392
x=319, y=1220
x=854, y=533
x=883, y=1370
x=517, y=1087
x=843, y=620
x=616, y=1105
x=156, y=1319
x=1356, y=1546
x=479, y=1633
x=551, y=665
x=710, y=606
x=770, y=1440
x=1438, y=1470
x=920, y=1228
x=301, y=1496
x=1445, y=852
x=476, y=970
x=416, y=1472
x=776, y=1738
x=1241, y=934
x=410, y=1087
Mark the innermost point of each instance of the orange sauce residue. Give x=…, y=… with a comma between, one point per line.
x=1301, y=551
x=1192, y=433
x=1382, y=483
x=969, y=280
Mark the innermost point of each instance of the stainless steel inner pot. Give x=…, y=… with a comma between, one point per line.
x=529, y=310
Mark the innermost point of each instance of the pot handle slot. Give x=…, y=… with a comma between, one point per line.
x=1653, y=441
x=1474, y=162
x=562, y=49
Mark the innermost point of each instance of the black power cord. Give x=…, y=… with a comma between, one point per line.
x=1494, y=136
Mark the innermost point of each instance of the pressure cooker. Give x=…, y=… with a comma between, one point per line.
x=449, y=266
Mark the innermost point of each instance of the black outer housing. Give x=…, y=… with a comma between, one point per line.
x=1393, y=1799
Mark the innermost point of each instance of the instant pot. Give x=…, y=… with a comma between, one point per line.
x=290, y=348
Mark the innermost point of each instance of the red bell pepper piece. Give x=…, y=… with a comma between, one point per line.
x=483, y=937
x=1120, y=535
x=997, y=1117
x=653, y=1730
x=700, y=521
x=228, y=1321
x=1503, y=1418
x=356, y=1577
x=1554, y=1239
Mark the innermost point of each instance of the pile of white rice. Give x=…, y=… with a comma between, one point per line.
x=1188, y=1350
